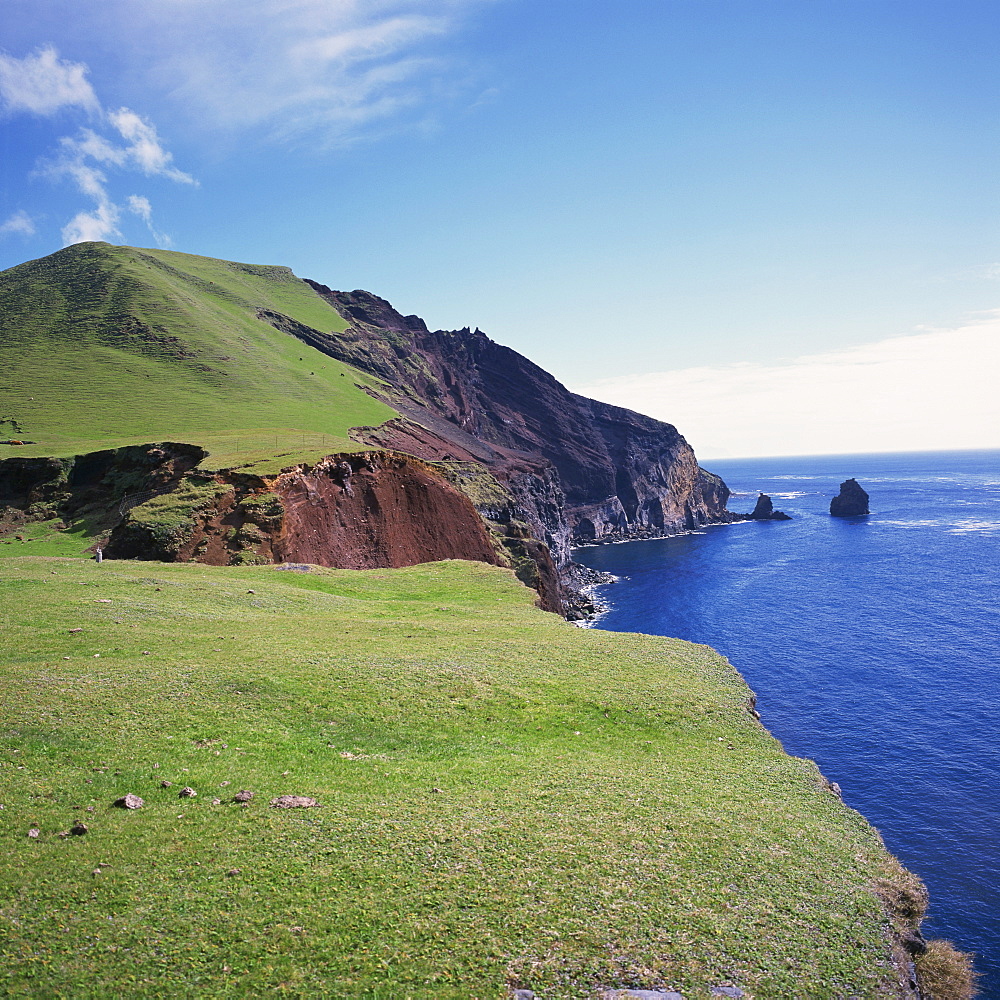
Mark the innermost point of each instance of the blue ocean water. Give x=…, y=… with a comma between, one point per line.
x=873, y=645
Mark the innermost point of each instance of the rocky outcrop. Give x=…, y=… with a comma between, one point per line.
x=349, y=511
x=577, y=470
x=764, y=511
x=91, y=486
x=372, y=510
x=852, y=500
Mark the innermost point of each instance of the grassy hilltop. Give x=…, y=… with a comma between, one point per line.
x=107, y=346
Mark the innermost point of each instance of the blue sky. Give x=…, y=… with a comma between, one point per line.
x=737, y=215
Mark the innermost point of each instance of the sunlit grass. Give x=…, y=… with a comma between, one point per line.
x=109, y=346
x=505, y=798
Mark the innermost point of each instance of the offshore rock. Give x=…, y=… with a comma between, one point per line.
x=764, y=511
x=852, y=500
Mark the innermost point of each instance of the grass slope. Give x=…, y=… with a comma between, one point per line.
x=506, y=799
x=104, y=346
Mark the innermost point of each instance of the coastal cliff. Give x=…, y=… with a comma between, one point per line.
x=580, y=470
x=172, y=347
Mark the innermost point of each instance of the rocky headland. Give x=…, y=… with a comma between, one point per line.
x=540, y=463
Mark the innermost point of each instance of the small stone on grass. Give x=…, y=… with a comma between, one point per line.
x=293, y=802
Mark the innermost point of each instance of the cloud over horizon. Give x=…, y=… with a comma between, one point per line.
x=934, y=389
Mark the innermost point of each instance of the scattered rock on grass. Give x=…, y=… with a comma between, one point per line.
x=293, y=802
x=165, y=783
x=130, y=801
x=78, y=829
x=727, y=991
x=187, y=793
x=244, y=795
x=34, y=833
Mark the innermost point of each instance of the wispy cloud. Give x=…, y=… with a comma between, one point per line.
x=139, y=205
x=143, y=147
x=934, y=389
x=331, y=66
x=322, y=72
x=44, y=84
x=99, y=224
x=20, y=223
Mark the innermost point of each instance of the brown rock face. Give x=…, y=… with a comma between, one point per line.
x=377, y=509
x=349, y=511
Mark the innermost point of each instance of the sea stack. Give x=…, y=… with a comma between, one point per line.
x=764, y=511
x=850, y=502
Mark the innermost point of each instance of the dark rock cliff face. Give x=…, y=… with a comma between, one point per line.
x=578, y=470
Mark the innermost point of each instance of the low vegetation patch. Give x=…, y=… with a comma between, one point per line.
x=503, y=800
x=947, y=973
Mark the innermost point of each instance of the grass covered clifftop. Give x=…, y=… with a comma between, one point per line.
x=506, y=801
x=107, y=346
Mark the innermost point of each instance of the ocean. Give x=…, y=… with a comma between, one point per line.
x=873, y=644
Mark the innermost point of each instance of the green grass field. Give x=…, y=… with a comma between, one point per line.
x=506, y=799
x=107, y=346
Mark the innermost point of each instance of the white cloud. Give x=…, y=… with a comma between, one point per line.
x=144, y=148
x=139, y=205
x=20, y=223
x=44, y=84
x=99, y=224
x=368, y=41
x=935, y=389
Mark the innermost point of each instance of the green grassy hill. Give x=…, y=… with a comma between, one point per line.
x=105, y=346
x=506, y=800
